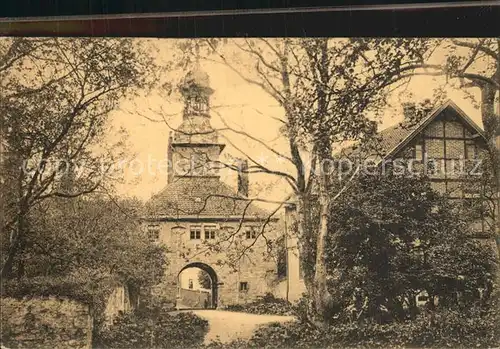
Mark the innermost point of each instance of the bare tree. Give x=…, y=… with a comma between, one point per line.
x=326, y=89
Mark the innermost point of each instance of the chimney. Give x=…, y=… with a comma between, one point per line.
x=243, y=182
x=409, y=111
x=427, y=106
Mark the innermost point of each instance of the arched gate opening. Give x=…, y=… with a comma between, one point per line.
x=193, y=291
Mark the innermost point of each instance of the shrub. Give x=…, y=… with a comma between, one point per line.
x=265, y=305
x=93, y=292
x=440, y=329
x=475, y=327
x=397, y=237
x=289, y=335
x=154, y=328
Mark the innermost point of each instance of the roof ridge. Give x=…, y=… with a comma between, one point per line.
x=220, y=199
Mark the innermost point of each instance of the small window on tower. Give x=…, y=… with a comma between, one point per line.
x=243, y=286
x=200, y=104
x=195, y=232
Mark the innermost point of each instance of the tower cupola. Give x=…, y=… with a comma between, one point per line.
x=196, y=90
x=194, y=147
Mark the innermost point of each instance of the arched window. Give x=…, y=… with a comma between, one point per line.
x=196, y=104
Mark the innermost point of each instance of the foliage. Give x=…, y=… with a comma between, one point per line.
x=204, y=279
x=154, y=328
x=90, y=292
x=397, y=238
x=326, y=87
x=56, y=95
x=267, y=304
x=479, y=185
x=441, y=329
x=80, y=248
x=94, y=233
x=473, y=66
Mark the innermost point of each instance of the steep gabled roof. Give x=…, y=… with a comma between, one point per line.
x=201, y=197
x=427, y=120
x=391, y=140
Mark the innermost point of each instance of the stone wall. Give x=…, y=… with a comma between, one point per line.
x=45, y=323
x=194, y=298
x=258, y=271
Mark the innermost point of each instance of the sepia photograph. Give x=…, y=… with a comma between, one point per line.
x=258, y=192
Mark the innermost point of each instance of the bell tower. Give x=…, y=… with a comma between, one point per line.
x=194, y=148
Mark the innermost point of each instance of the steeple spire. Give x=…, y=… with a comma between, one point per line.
x=196, y=91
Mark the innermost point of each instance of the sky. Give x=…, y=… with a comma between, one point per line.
x=242, y=105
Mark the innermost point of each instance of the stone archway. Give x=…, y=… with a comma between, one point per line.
x=213, y=277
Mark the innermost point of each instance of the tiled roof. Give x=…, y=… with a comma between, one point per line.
x=201, y=197
x=393, y=137
x=385, y=141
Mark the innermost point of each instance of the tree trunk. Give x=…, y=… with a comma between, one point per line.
x=16, y=245
x=305, y=241
x=491, y=124
x=321, y=296
x=17, y=232
x=323, y=300
x=9, y=262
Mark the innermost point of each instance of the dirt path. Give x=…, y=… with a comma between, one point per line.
x=228, y=325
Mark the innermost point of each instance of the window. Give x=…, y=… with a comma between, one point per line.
x=210, y=232
x=470, y=150
x=190, y=284
x=423, y=298
x=195, y=233
x=196, y=105
x=431, y=167
x=251, y=233
x=419, y=152
x=243, y=286
x=153, y=233
x=198, y=163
